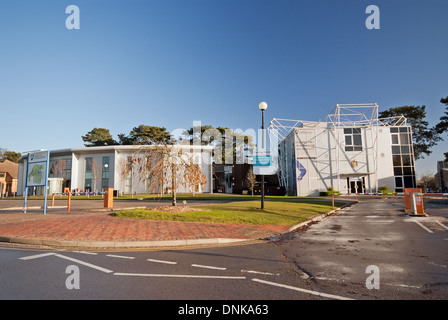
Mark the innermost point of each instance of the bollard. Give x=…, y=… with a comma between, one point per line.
x=69, y=201
x=109, y=198
x=332, y=200
x=52, y=200
x=417, y=208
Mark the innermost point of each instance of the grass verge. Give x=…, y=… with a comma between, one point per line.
x=248, y=212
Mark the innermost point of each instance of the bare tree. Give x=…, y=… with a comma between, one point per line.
x=167, y=166
x=127, y=169
x=251, y=179
x=96, y=173
x=428, y=182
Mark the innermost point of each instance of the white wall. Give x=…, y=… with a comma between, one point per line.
x=322, y=153
x=385, y=165
x=97, y=159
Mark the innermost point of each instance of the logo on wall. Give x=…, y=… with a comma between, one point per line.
x=301, y=169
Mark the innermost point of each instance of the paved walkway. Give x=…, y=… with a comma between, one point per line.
x=88, y=224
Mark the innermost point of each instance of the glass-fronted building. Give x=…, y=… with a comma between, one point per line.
x=94, y=169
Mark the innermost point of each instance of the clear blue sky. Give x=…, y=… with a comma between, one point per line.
x=171, y=62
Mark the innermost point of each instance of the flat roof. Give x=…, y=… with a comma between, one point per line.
x=118, y=148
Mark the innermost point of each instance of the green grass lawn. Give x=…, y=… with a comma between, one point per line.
x=180, y=197
x=287, y=212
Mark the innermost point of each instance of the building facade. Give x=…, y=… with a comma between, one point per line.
x=441, y=176
x=94, y=169
x=351, y=151
x=8, y=177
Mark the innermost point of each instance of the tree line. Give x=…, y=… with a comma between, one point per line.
x=230, y=146
x=9, y=155
x=424, y=137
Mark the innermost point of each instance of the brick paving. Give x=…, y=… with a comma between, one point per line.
x=92, y=225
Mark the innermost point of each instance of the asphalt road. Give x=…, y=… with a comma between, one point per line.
x=410, y=253
x=408, y=256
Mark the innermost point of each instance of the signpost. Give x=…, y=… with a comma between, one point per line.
x=37, y=173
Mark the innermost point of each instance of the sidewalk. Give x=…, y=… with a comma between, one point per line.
x=89, y=225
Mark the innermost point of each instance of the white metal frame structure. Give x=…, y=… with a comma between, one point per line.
x=342, y=116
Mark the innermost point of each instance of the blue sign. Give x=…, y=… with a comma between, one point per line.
x=301, y=169
x=262, y=161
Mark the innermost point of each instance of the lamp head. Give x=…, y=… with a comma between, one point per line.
x=263, y=106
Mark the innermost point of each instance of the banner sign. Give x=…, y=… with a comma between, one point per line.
x=265, y=163
x=262, y=161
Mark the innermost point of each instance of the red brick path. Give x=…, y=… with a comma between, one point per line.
x=102, y=227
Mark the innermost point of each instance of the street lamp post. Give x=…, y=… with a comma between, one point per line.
x=262, y=106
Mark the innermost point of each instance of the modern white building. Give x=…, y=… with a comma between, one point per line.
x=92, y=169
x=351, y=151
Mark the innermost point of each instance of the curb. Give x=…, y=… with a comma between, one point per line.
x=320, y=217
x=118, y=244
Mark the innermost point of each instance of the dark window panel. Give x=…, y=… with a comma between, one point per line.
x=396, y=150
x=398, y=182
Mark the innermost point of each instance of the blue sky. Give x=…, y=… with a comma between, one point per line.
x=171, y=62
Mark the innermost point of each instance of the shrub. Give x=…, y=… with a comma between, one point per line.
x=330, y=190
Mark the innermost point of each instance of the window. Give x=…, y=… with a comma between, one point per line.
x=402, y=158
x=105, y=173
x=398, y=182
x=395, y=139
x=396, y=159
x=60, y=168
x=353, y=140
x=88, y=175
x=406, y=160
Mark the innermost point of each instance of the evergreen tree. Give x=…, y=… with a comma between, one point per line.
x=146, y=135
x=98, y=137
x=442, y=126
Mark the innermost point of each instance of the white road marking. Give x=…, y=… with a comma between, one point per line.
x=176, y=276
x=121, y=257
x=207, y=267
x=260, y=272
x=400, y=285
x=328, y=279
x=86, y=252
x=320, y=294
x=38, y=256
x=162, y=261
x=440, y=223
x=421, y=225
x=84, y=263
x=66, y=258
x=439, y=265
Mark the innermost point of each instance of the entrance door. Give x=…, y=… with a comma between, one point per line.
x=356, y=185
